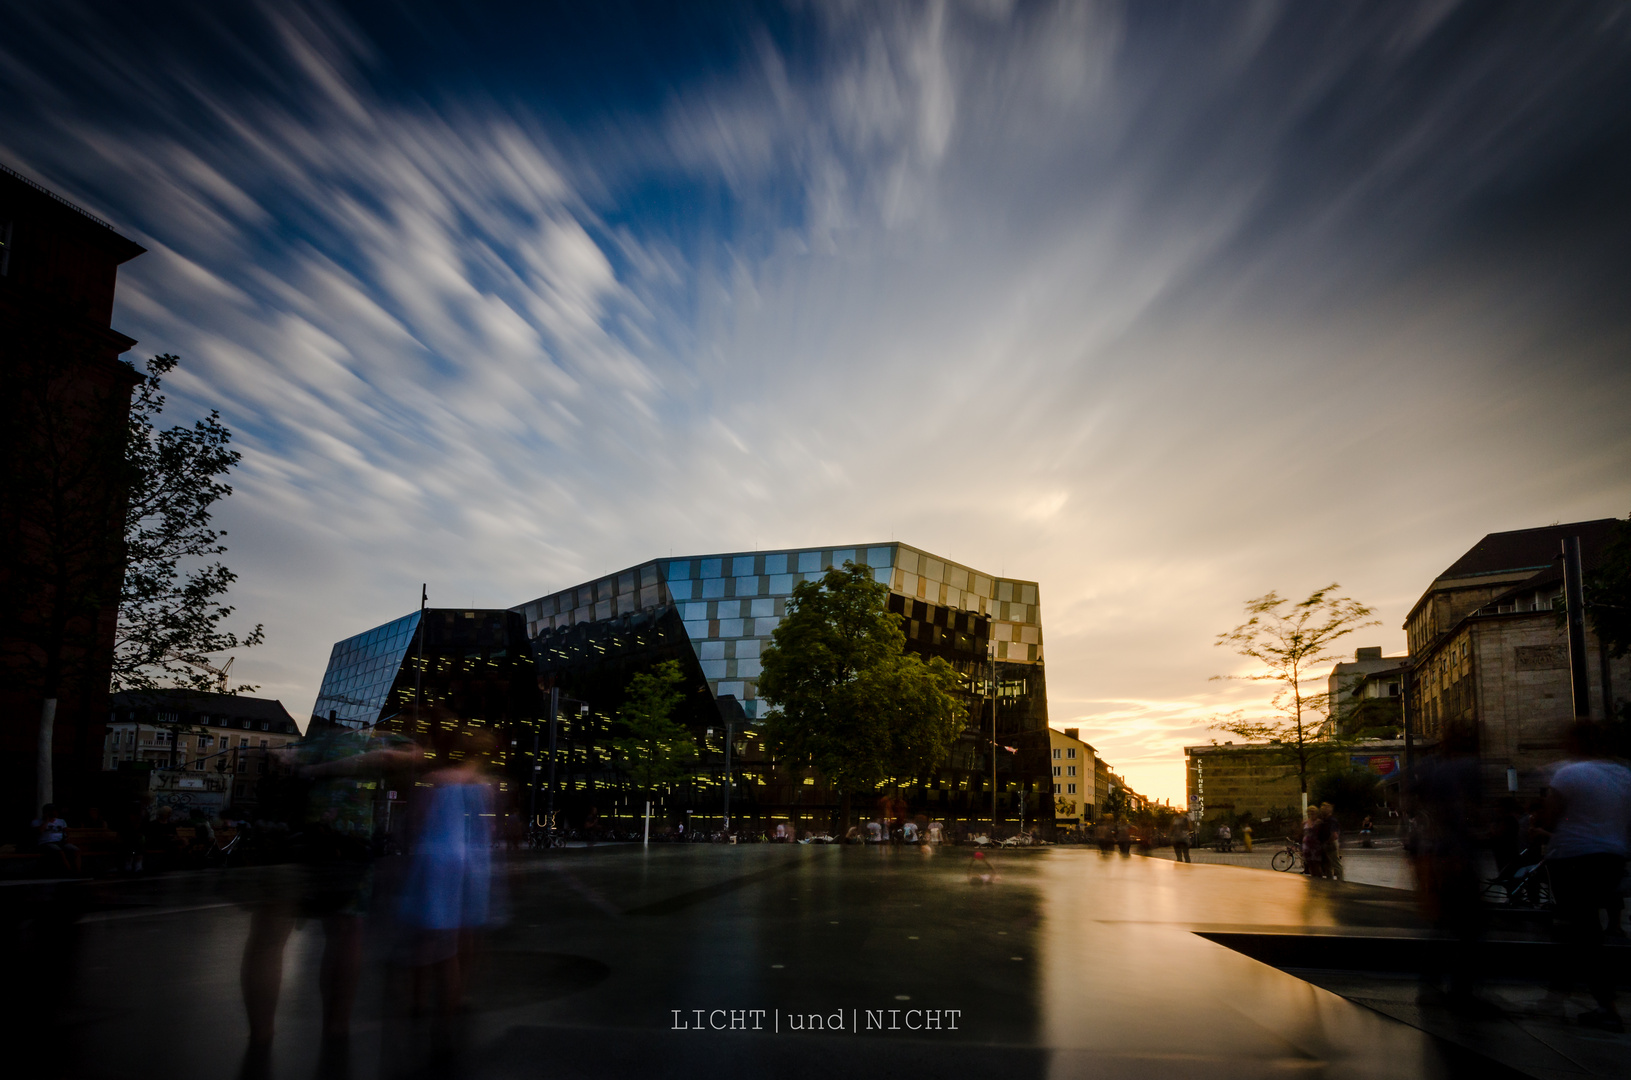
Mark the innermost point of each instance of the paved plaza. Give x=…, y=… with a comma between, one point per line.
x=794, y=961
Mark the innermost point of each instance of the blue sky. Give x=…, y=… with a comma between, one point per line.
x=1161, y=305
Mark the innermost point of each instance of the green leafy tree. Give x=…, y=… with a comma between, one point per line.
x=1350, y=791
x=657, y=749
x=1608, y=593
x=171, y=608
x=1289, y=640
x=851, y=701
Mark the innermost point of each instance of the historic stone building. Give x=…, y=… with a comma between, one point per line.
x=1490, y=654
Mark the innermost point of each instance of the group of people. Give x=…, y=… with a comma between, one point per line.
x=1581, y=829
x=1322, y=843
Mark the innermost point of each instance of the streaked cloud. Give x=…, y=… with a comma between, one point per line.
x=1163, y=307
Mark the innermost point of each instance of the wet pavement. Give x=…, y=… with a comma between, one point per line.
x=793, y=961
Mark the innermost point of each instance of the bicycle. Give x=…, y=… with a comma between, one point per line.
x=1289, y=857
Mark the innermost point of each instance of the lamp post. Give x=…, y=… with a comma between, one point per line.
x=991, y=647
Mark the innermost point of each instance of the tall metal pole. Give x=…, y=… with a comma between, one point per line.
x=993, y=648
x=537, y=767
x=419, y=669
x=727, y=775
x=554, y=713
x=1574, y=596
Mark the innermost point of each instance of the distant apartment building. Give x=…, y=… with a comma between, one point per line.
x=1367, y=693
x=1260, y=780
x=1076, y=768
x=1490, y=655
x=205, y=750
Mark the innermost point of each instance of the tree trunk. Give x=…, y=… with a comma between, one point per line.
x=43, y=788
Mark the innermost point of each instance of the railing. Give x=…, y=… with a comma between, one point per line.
x=43, y=190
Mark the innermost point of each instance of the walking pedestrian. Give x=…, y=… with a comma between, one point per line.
x=1588, y=812
x=331, y=881
x=1180, y=840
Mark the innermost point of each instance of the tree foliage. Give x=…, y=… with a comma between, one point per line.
x=1608, y=593
x=657, y=749
x=851, y=701
x=171, y=609
x=1289, y=640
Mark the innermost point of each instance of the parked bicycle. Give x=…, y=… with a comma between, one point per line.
x=1289, y=857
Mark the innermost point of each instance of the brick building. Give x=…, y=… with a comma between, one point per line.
x=1490, y=652
x=62, y=434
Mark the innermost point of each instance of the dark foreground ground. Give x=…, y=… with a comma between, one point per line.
x=1067, y=964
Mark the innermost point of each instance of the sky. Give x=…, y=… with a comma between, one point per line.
x=1162, y=305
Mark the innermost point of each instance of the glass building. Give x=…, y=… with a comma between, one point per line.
x=713, y=615
x=469, y=668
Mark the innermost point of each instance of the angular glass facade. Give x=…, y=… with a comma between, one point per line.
x=361, y=672
x=716, y=613
x=713, y=615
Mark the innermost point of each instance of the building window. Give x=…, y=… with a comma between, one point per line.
x=1070, y=770
x=1056, y=770
x=1070, y=752
x=1056, y=752
x=1070, y=789
x=1056, y=789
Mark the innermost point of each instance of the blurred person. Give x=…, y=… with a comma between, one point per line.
x=874, y=832
x=936, y=833
x=909, y=832
x=1104, y=836
x=1330, y=840
x=1246, y=839
x=1124, y=838
x=331, y=881
x=1587, y=811
x=1446, y=839
x=447, y=891
x=51, y=838
x=1226, y=838
x=1365, y=828
x=1180, y=840
x=129, y=825
x=1313, y=849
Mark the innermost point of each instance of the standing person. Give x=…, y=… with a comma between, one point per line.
x=1446, y=842
x=332, y=880
x=1313, y=849
x=1588, y=812
x=1124, y=837
x=447, y=893
x=1365, y=827
x=1226, y=838
x=1180, y=840
x=51, y=838
x=1330, y=835
x=1246, y=838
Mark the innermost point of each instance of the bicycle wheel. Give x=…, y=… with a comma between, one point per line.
x=1283, y=860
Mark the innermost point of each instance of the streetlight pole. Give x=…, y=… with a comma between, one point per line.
x=728, y=725
x=992, y=646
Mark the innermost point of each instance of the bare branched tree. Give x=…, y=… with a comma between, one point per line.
x=1289, y=640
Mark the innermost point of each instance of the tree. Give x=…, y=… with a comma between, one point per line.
x=1608, y=593
x=1349, y=790
x=851, y=701
x=657, y=749
x=1288, y=639
x=170, y=617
